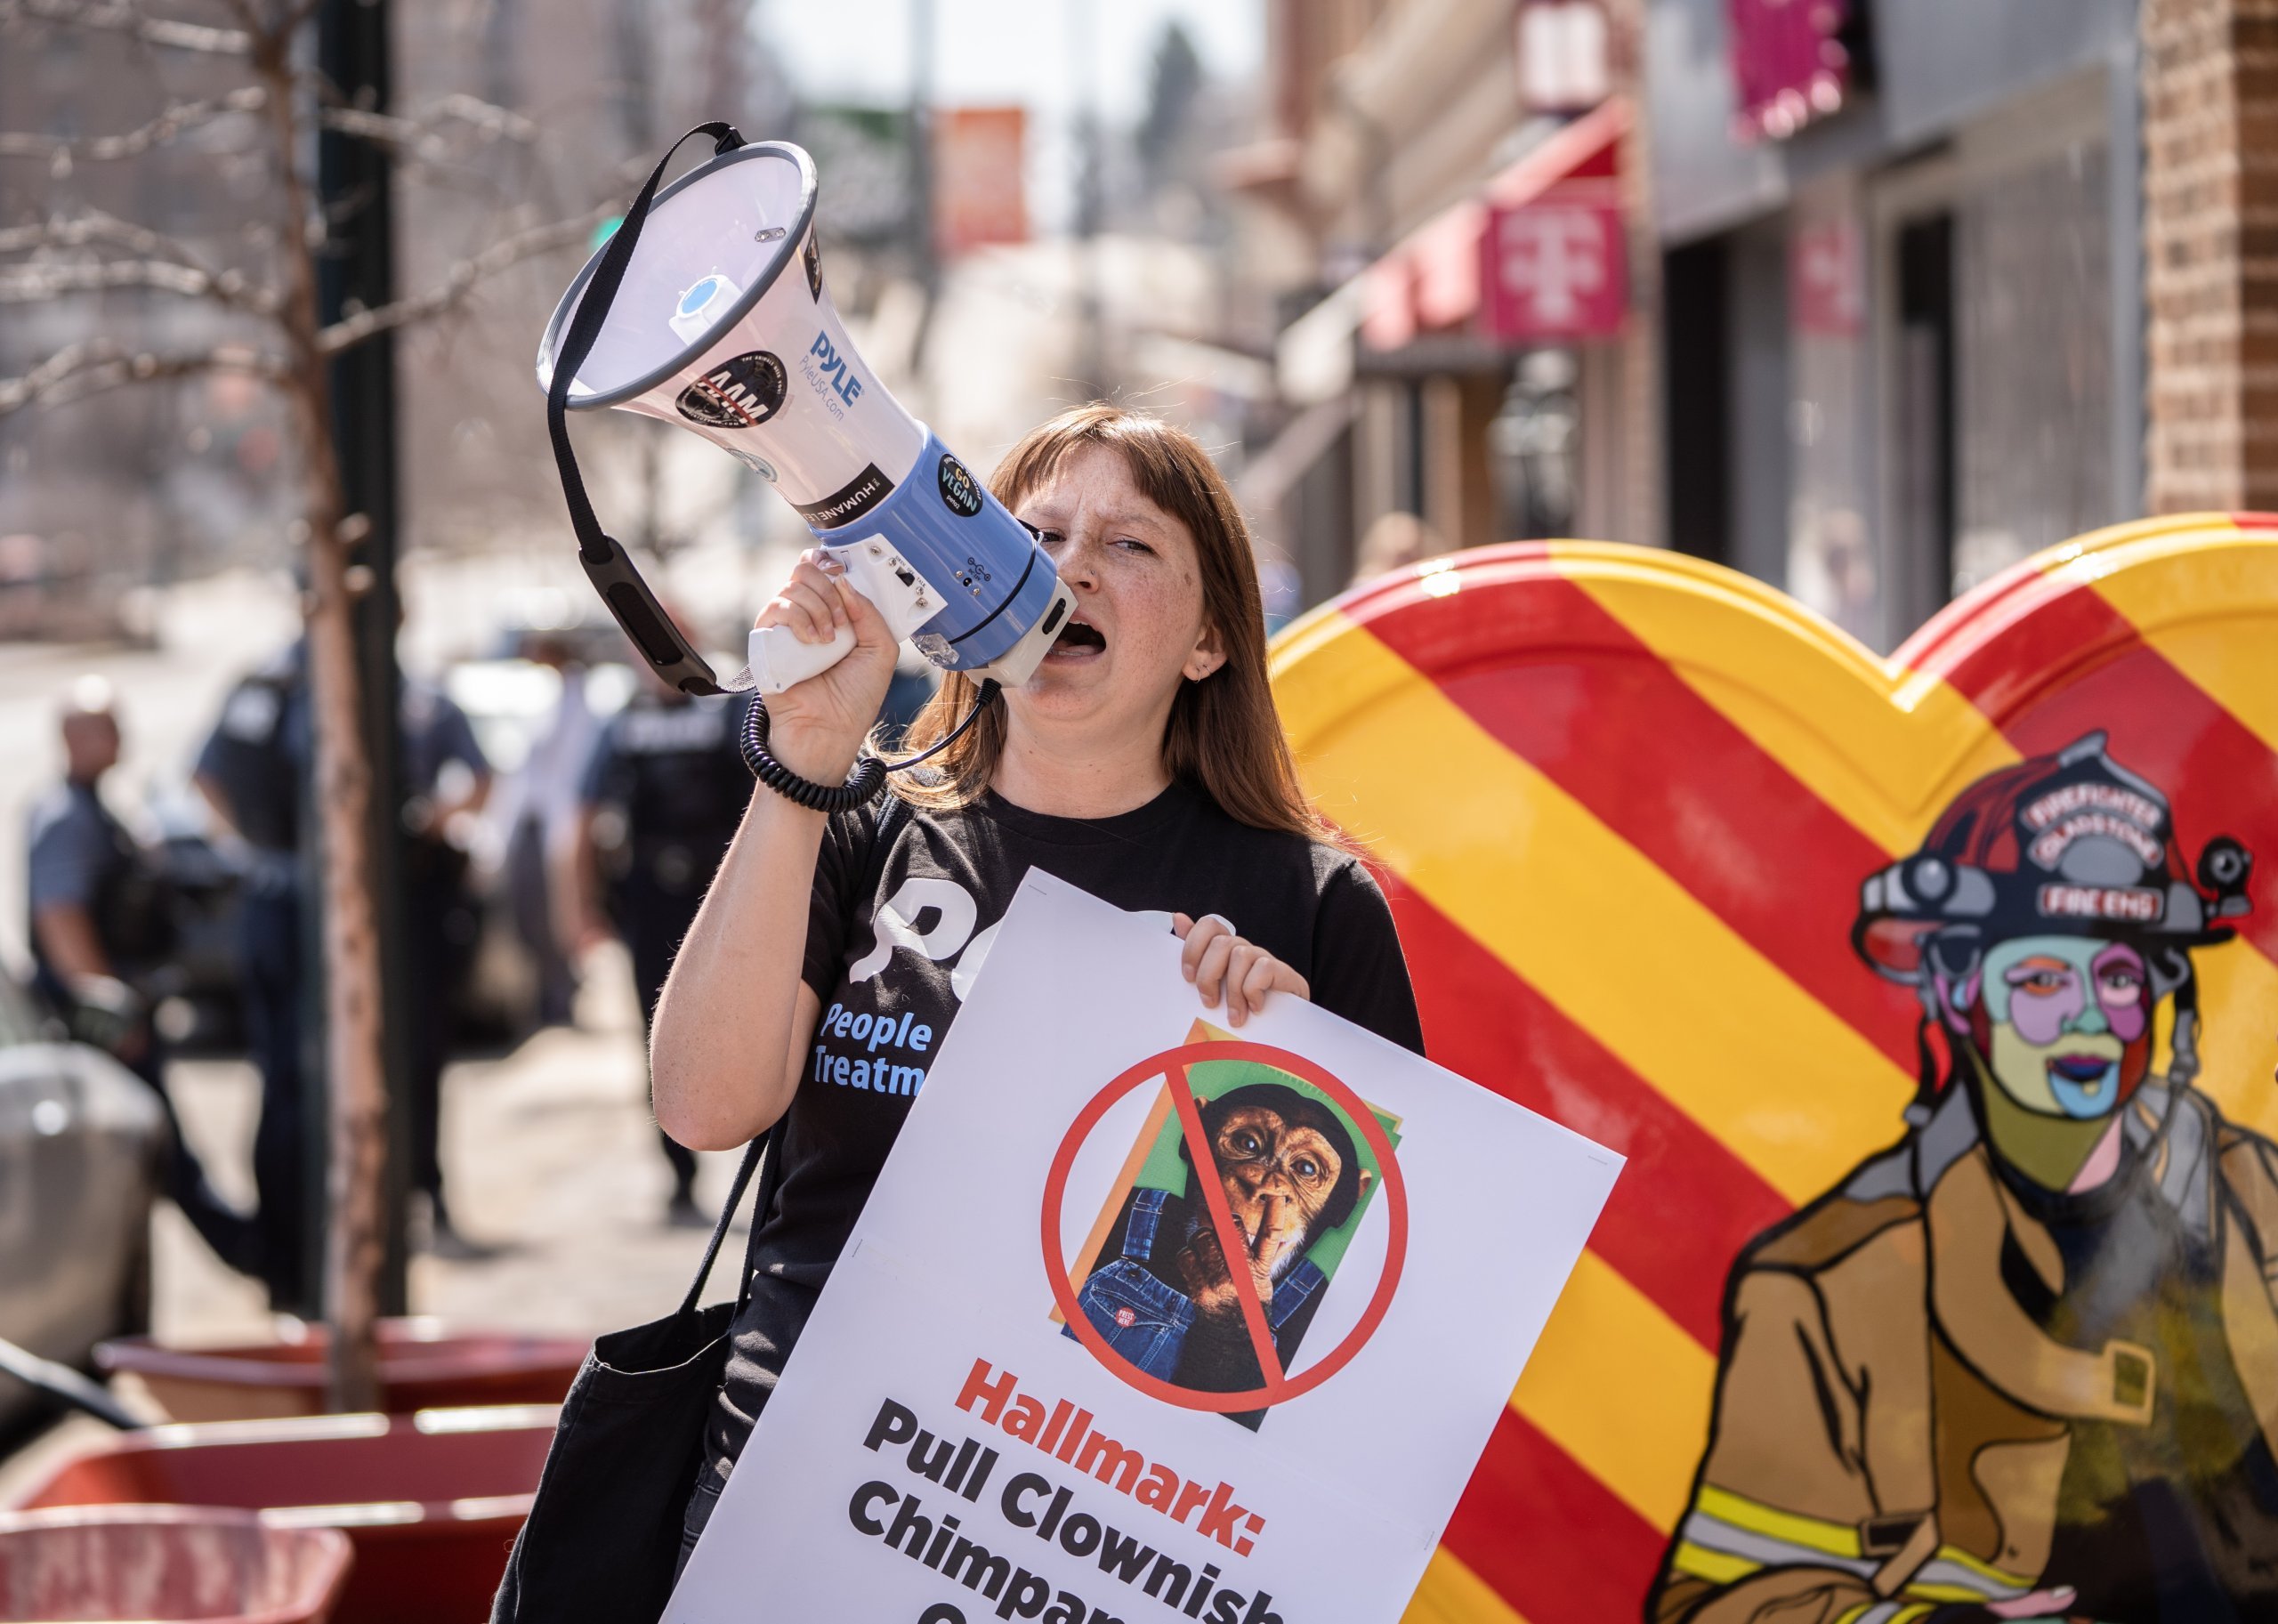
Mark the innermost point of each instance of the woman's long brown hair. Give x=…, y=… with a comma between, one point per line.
x=1223, y=735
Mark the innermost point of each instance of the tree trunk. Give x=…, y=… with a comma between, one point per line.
x=354, y=1069
x=355, y=1072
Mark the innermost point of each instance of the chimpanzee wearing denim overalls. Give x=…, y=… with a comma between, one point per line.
x=1146, y=1320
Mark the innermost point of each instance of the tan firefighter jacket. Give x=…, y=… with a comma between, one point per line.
x=1827, y=1495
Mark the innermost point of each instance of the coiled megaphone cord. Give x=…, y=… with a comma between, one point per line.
x=863, y=784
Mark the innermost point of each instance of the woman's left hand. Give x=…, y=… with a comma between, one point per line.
x=1217, y=960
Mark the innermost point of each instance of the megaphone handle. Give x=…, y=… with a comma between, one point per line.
x=779, y=659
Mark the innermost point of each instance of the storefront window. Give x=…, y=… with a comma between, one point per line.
x=1831, y=562
x=2033, y=360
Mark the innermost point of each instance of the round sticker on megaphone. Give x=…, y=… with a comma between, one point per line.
x=740, y=393
x=960, y=491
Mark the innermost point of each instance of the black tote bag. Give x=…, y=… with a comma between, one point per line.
x=604, y=1534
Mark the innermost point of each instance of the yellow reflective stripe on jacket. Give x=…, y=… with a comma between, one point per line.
x=1714, y=1566
x=1789, y=1527
x=1728, y=1537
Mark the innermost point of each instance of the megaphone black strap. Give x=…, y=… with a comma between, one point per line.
x=868, y=777
x=612, y=573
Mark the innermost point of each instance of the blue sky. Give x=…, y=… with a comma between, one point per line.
x=1001, y=52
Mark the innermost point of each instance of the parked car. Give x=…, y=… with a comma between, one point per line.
x=80, y=1143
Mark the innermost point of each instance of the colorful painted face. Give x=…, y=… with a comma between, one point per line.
x=2067, y=1023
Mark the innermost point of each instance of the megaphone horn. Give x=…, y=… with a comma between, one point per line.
x=707, y=309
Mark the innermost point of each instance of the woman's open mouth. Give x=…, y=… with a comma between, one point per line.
x=1079, y=639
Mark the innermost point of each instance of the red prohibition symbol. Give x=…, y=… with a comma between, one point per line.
x=1171, y=1068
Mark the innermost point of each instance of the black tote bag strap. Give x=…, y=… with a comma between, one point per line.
x=761, y=1153
x=652, y=630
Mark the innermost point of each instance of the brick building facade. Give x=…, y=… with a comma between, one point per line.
x=2210, y=228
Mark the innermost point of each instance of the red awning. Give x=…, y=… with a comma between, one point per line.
x=1431, y=279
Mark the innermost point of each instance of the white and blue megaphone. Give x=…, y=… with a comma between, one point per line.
x=709, y=312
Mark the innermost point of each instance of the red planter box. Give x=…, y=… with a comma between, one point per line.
x=424, y=1365
x=430, y=1502
x=167, y=1562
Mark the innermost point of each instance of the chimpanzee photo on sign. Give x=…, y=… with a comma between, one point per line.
x=1161, y=1287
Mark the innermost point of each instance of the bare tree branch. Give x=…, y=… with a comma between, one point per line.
x=83, y=370
x=123, y=16
x=63, y=153
x=464, y=278
x=95, y=228
x=163, y=262
x=31, y=284
x=421, y=132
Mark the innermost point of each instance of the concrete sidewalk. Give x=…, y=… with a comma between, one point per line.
x=552, y=1167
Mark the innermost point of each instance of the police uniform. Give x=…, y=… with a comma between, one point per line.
x=670, y=770
x=80, y=856
x=441, y=924
x=257, y=758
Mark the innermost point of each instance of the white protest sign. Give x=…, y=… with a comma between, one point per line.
x=1035, y=1389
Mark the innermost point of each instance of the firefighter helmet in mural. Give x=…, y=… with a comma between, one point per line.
x=2071, y=845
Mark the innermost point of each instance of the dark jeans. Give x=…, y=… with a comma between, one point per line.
x=234, y=1237
x=438, y=929
x=271, y=959
x=703, y=1500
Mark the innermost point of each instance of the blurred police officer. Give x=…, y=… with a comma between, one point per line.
x=661, y=797
x=101, y=935
x=252, y=772
x=446, y=779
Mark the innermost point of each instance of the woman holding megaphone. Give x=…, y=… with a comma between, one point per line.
x=1143, y=761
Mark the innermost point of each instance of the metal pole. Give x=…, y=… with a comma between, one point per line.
x=1092, y=338
x=357, y=271
x=924, y=251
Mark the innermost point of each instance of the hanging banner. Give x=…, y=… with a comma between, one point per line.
x=1035, y=1389
x=1555, y=271
x=980, y=169
x=1791, y=62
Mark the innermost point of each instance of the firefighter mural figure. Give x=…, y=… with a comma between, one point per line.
x=2024, y=1363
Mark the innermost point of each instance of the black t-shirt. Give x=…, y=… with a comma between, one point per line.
x=897, y=931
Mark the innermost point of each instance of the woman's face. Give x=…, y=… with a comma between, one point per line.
x=1138, y=629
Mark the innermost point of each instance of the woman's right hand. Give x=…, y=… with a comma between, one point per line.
x=816, y=727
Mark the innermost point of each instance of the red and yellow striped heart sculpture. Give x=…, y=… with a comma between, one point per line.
x=1625, y=803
